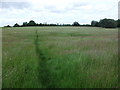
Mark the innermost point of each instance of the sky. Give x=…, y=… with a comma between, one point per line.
x=56, y=11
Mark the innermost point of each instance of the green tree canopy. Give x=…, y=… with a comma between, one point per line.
x=76, y=24
x=25, y=23
x=108, y=23
x=118, y=23
x=16, y=25
x=95, y=23
x=31, y=23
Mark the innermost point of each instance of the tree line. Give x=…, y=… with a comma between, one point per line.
x=105, y=23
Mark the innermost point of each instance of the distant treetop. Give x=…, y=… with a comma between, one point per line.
x=76, y=24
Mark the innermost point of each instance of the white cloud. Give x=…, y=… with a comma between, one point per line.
x=57, y=11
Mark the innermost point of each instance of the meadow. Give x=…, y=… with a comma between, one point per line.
x=59, y=57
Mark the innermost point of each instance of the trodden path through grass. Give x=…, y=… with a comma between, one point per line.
x=45, y=78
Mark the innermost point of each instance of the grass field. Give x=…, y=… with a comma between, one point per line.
x=63, y=57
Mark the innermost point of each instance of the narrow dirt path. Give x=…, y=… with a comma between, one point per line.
x=44, y=77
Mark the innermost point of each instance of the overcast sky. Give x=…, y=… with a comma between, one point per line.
x=56, y=11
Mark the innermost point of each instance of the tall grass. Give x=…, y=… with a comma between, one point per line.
x=64, y=57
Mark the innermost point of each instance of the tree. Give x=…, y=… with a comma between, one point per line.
x=7, y=26
x=25, y=24
x=76, y=24
x=16, y=25
x=40, y=24
x=95, y=23
x=118, y=23
x=31, y=23
x=108, y=23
